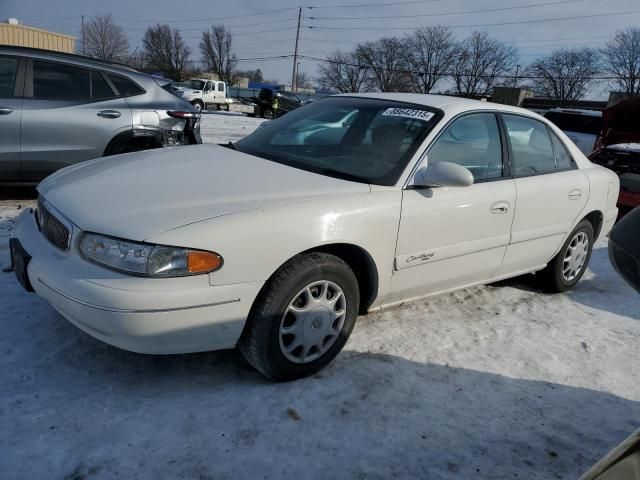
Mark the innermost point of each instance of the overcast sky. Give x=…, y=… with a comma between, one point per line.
x=275, y=32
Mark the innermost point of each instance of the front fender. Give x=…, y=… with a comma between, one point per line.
x=255, y=243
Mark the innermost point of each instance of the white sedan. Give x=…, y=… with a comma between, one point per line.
x=277, y=246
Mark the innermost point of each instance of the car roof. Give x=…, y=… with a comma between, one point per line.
x=576, y=111
x=447, y=103
x=78, y=59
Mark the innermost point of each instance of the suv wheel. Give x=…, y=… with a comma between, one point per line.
x=198, y=105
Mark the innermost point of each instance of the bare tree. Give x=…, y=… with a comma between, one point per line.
x=252, y=75
x=565, y=75
x=102, y=38
x=429, y=56
x=216, y=52
x=481, y=63
x=621, y=59
x=302, y=80
x=166, y=51
x=341, y=71
x=384, y=60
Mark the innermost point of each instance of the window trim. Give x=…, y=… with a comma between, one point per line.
x=28, y=89
x=18, y=82
x=425, y=154
x=574, y=165
x=106, y=80
x=543, y=123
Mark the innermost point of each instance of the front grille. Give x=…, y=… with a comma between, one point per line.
x=51, y=227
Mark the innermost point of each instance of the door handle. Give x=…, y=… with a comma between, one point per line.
x=575, y=194
x=500, y=207
x=5, y=110
x=108, y=113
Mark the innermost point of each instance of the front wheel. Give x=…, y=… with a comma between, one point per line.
x=568, y=266
x=267, y=113
x=302, y=318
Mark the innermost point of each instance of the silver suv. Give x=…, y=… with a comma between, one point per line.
x=58, y=109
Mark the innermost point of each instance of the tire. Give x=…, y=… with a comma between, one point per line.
x=568, y=266
x=198, y=105
x=267, y=113
x=319, y=322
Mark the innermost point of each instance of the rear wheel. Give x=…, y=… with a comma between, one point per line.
x=198, y=105
x=302, y=318
x=568, y=266
x=267, y=113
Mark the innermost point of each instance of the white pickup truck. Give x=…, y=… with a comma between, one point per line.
x=203, y=94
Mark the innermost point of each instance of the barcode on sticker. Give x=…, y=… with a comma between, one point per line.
x=408, y=113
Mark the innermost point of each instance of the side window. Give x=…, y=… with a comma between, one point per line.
x=58, y=81
x=564, y=160
x=208, y=86
x=220, y=87
x=125, y=87
x=472, y=141
x=8, y=72
x=100, y=89
x=530, y=146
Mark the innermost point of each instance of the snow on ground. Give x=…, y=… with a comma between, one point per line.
x=490, y=382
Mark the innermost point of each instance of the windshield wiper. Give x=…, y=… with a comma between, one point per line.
x=330, y=172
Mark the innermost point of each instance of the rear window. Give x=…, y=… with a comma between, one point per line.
x=125, y=87
x=8, y=71
x=53, y=81
x=574, y=122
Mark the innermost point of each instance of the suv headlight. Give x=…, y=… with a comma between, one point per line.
x=145, y=259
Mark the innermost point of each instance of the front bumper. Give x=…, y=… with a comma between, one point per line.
x=161, y=316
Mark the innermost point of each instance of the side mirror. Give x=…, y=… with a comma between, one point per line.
x=443, y=174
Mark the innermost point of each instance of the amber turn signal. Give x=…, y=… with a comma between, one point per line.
x=203, y=262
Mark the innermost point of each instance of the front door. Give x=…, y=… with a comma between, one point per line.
x=10, y=112
x=451, y=237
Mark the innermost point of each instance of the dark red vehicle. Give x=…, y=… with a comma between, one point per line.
x=618, y=148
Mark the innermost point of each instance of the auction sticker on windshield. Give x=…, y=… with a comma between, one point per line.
x=408, y=113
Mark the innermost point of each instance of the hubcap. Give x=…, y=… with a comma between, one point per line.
x=198, y=107
x=575, y=256
x=312, y=321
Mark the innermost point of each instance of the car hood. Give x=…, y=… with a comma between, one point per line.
x=621, y=123
x=139, y=195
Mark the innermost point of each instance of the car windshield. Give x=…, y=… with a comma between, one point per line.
x=192, y=84
x=372, y=144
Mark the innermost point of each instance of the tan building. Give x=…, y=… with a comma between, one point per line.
x=14, y=34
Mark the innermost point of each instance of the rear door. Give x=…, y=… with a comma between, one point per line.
x=11, y=86
x=551, y=193
x=70, y=114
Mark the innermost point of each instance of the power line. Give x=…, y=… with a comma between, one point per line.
x=205, y=27
x=383, y=4
x=542, y=20
x=531, y=5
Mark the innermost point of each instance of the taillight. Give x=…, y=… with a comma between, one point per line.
x=183, y=115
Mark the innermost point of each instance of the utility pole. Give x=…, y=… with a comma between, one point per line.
x=295, y=52
x=83, y=48
x=515, y=80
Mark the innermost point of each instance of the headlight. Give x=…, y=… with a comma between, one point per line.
x=145, y=259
